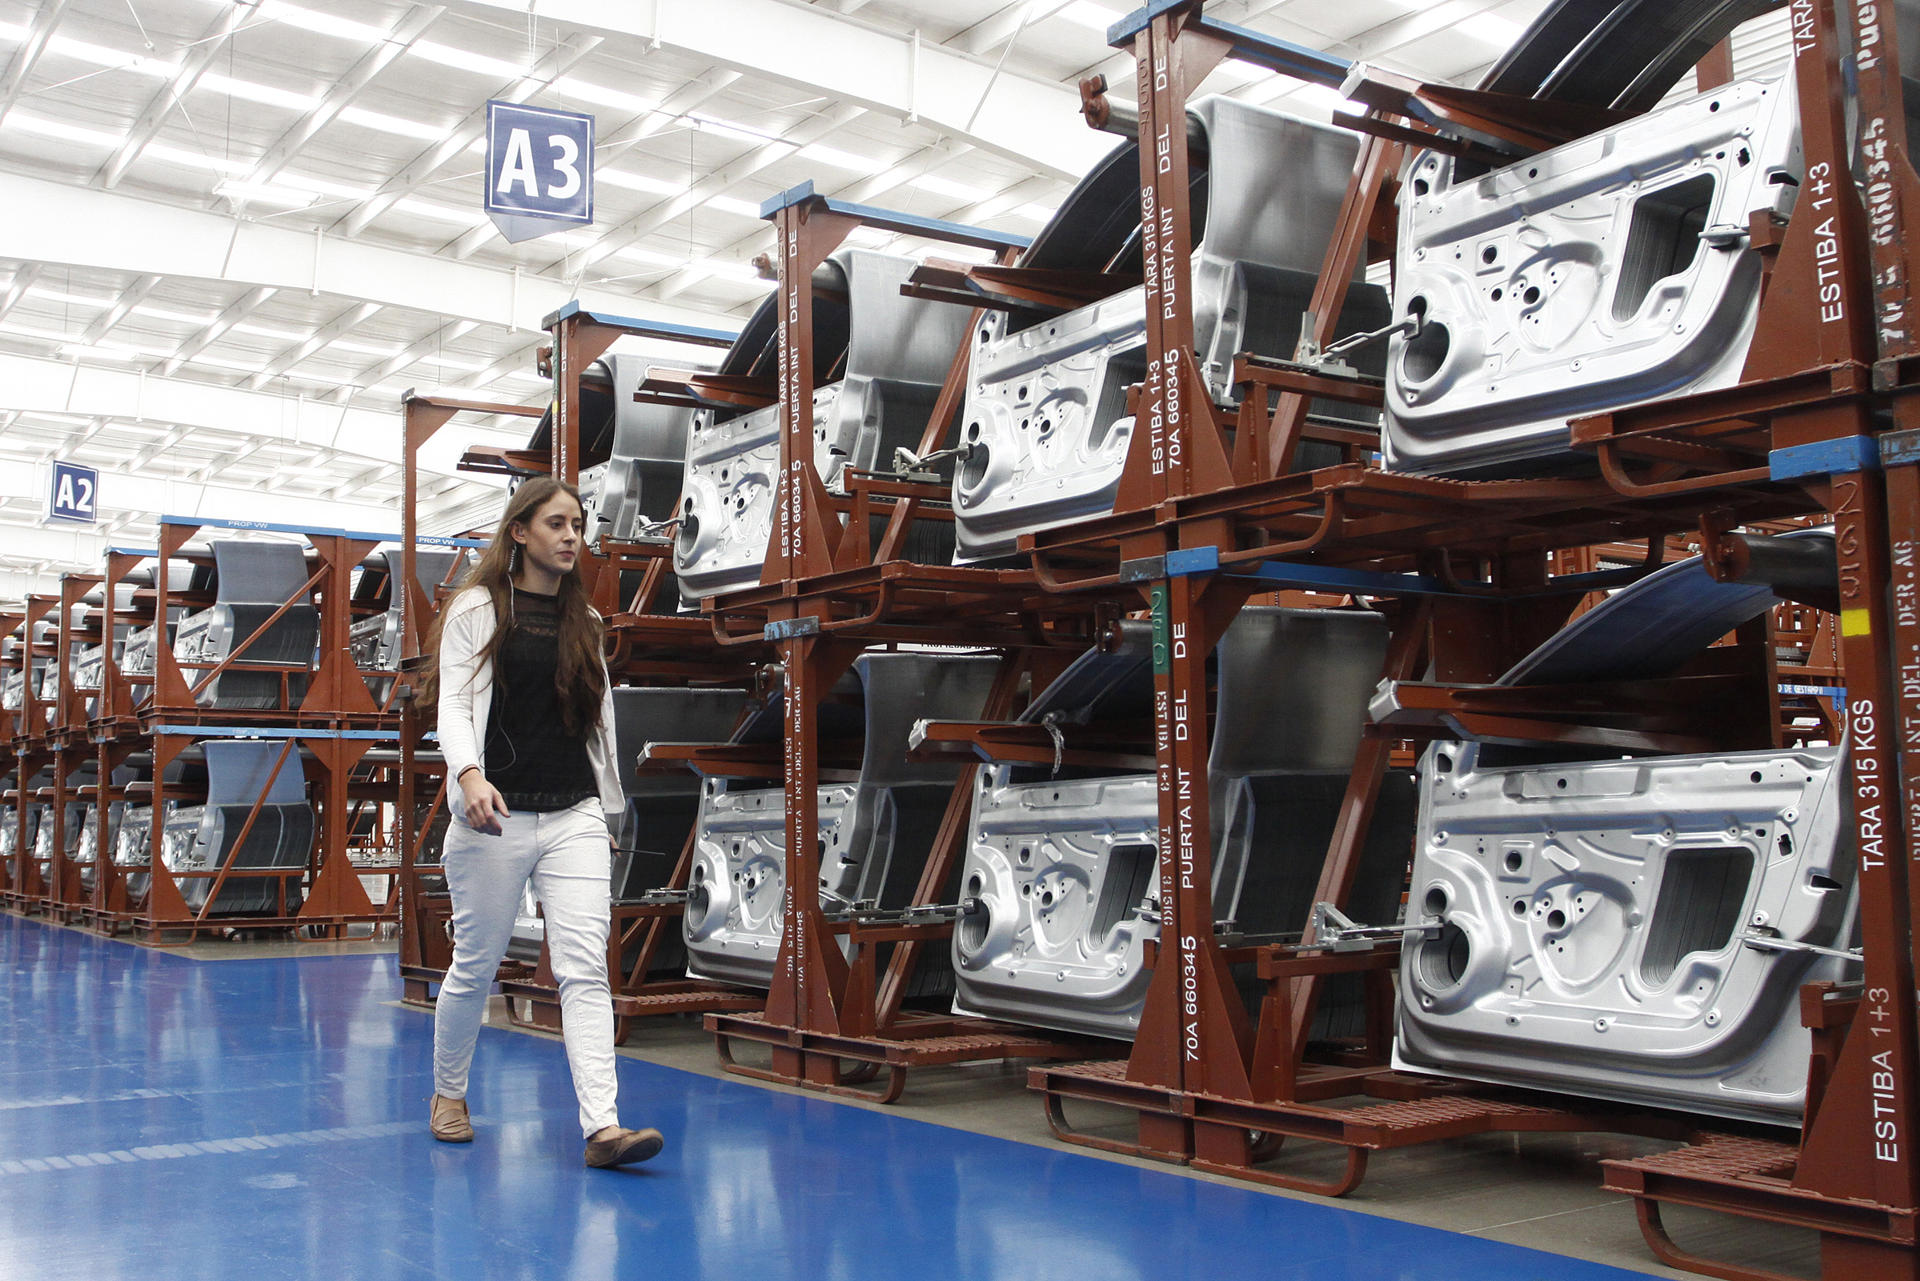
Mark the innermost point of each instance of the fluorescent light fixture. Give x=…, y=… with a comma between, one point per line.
x=441, y=213
x=1037, y=214
x=454, y=362
x=871, y=237
x=323, y=186
x=400, y=125
x=61, y=295
x=23, y=330
x=107, y=351
x=324, y=24
x=724, y=267
x=842, y=159
x=650, y=257
x=600, y=95
x=1084, y=13
x=527, y=376
x=248, y=91
x=466, y=60
x=385, y=351
x=638, y=182
x=183, y=317
x=195, y=159
x=224, y=362
x=266, y=193
x=103, y=56
x=727, y=128
x=13, y=30
x=60, y=129
x=268, y=331
x=948, y=187
x=734, y=205
x=1490, y=28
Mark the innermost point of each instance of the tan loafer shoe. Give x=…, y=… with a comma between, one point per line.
x=448, y=1121
x=615, y=1146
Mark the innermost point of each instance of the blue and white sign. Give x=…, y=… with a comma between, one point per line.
x=73, y=493
x=539, y=169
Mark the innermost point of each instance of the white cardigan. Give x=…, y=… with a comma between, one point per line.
x=466, y=698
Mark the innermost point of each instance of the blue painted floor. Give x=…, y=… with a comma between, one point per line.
x=162, y=1117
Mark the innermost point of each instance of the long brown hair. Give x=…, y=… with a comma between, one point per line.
x=578, y=678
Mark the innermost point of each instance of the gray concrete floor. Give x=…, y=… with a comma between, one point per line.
x=1541, y=1191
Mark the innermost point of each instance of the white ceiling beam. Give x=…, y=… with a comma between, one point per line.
x=986, y=37
x=20, y=67
x=82, y=227
x=200, y=56
x=722, y=180
x=35, y=385
x=1024, y=118
x=23, y=278
x=129, y=298
x=339, y=327
x=521, y=359
x=373, y=375
x=216, y=329
x=400, y=37
x=862, y=192
x=146, y=498
x=556, y=62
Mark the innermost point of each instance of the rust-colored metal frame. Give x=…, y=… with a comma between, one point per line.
x=1205, y=1083
x=827, y=592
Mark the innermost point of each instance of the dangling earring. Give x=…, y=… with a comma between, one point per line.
x=513, y=561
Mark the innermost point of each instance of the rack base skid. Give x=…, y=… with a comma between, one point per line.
x=813, y=1059
x=168, y=932
x=1753, y=1178
x=1216, y=1134
x=541, y=1003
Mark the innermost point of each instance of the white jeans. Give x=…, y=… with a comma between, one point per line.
x=566, y=855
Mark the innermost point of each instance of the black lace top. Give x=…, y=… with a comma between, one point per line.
x=529, y=756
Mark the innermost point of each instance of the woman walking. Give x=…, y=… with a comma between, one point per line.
x=526, y=727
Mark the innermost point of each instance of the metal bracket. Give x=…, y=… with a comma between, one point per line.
x=868, y=912
x=656, y=898
x=1335, y=930
x=911, y=466
x=1355, y=342
x=1772, y=943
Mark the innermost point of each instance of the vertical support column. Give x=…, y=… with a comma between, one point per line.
x=337, y=687
x=109, y=883
x=810, y=974
x=1818, y=311
x=803, y=540
x=1860, y=1140
x=165, y=904
x=336, y=890
x=116, y=699
x=170, y=689
x=565, y=442
x=1180, y=450
x=61, y=875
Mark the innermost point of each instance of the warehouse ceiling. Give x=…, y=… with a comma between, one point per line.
x=235, y=233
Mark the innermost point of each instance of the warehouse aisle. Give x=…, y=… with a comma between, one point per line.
x=163, y=1117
